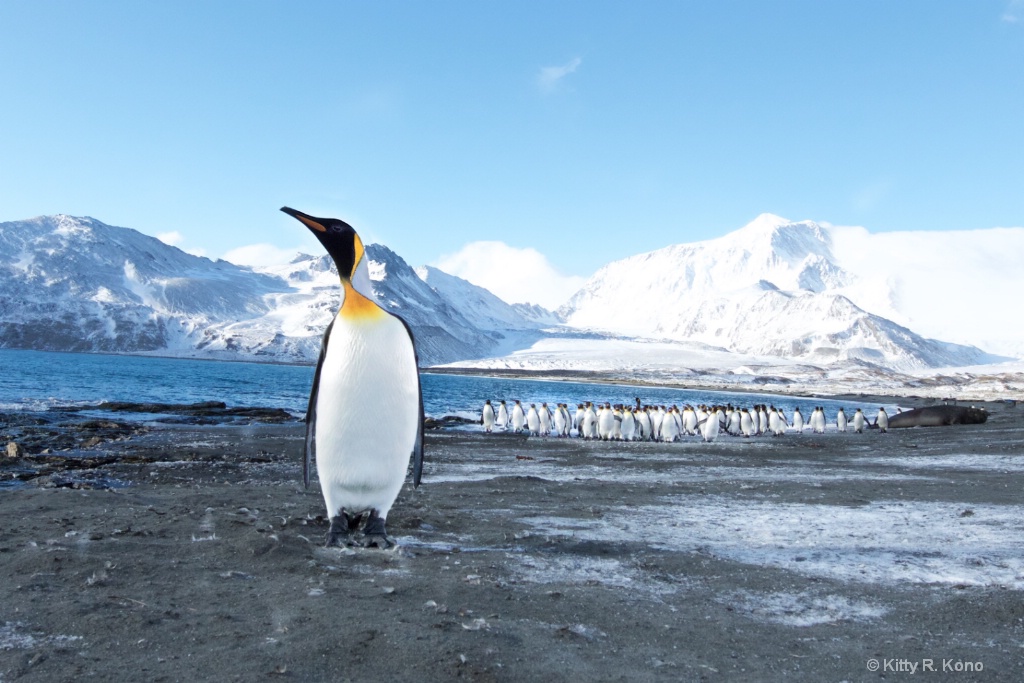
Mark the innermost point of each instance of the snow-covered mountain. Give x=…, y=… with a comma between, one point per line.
x=77, y=284
x=772, y=288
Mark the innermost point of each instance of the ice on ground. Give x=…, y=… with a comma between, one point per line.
x=576, y=570
x=13, y=636
x=559, y=471
x=883, y=542
x=801, y=609
x=1001, y=463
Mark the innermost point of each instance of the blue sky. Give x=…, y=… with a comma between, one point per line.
x=583, y=131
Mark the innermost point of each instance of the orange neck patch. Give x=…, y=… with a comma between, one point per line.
x=358, y=307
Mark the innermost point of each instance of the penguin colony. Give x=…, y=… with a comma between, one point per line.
x=660, y=423
x=367, y=366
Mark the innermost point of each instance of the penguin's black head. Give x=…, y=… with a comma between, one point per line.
x=338, y=237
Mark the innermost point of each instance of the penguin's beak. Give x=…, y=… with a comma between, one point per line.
x=314, y=224
x=337, y=237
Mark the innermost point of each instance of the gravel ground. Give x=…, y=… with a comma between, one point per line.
x=191, y=552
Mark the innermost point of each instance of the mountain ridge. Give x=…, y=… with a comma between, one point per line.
x=771, y=288
x=77, y=284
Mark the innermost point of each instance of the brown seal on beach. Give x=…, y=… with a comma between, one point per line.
x=938, y=416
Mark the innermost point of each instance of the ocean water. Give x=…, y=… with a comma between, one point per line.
x=38, y=380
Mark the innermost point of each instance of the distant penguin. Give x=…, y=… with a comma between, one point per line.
x=711, y=427
x=690, y=421
x=746, y=423
x=882, y=420
x=616, y=434
x=657, y=417
x=841, y=420
x=533, y=420
x=577, y=418
x=762, y=420
x=678, y=418
x=367, y=366
x=643, y=424
x=798, y=421
x=628, y=428
x=501, y=421
x=669, y=428
x=701, y=414
x=858, y=421
x=544, y=413
x=561, y=422
x=734, y=418
x=487, y=416
x=518, y=417
x=605, y=422
x=590, y=422
x=776, y=424
x=818, y=421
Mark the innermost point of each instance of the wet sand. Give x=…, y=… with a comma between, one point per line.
x=798, y=558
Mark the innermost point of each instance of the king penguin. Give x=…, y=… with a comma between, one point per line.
x=367, y=366
x=487, y=416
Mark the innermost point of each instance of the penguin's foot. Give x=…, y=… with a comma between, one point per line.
x=342, y=527
x=374, y=533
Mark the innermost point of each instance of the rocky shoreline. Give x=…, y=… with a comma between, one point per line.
x=190, y=551
x=64, y=445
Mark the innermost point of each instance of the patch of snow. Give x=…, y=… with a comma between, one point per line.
x=801, y=609
x=575, y=570
x=956, y=461
x=13, y=636
x=884, y=542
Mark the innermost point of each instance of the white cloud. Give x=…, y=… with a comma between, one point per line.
x=262, y=254
x=514, y=275
x=951, y=285
x=173, y=238
x=550, y=76
x=1014, y=11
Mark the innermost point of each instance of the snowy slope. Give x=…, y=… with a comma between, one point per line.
x=771, y=288
x=76, y=284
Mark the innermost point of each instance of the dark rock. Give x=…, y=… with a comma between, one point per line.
x=446, y=421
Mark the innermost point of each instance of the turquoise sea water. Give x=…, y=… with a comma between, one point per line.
x=37, y=380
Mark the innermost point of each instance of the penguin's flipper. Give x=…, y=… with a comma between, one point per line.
x=309, y=447
x=417, y=449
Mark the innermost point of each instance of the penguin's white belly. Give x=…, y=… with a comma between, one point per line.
x=366, y=414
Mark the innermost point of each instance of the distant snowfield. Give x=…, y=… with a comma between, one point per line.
x=695, y=364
